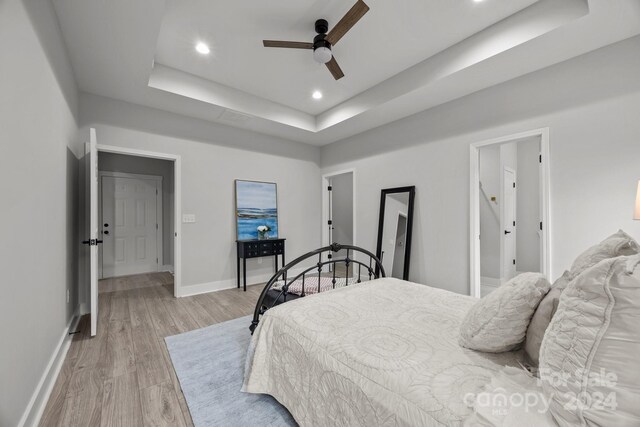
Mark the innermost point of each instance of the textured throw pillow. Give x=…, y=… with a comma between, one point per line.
x=589, y=356
x=541, y=319
x=499, y=321
x=616, y=245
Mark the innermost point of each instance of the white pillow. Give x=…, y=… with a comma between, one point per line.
x=541, y=319
x=616, y=245
x=590, y=351
x=499, y=321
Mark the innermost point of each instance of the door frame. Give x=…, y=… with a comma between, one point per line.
x=503, y=225
x=325, y=204
x=474, y=204
x=177, y=203
x=159, y=217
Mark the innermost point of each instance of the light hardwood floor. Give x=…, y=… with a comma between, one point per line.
x=123, y=376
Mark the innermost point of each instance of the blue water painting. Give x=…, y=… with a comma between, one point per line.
x=256, y=205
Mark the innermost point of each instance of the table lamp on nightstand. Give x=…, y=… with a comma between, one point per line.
x=636, y=215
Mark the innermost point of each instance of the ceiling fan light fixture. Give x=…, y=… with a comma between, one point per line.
x=322, y=55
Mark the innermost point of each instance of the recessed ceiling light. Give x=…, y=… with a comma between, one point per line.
x=316, y=95
x=203, y=48
x=478, y=1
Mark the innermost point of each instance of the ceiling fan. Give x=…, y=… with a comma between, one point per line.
x=323, y=42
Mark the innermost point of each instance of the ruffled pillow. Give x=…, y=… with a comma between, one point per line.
x=499, y=321
x=616, y=245
x=589, y=355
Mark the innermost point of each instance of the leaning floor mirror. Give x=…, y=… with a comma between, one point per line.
x=394, y=230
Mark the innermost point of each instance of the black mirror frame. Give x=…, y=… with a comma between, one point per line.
x=383, y=197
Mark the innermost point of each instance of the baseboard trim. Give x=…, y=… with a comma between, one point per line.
x=40, y=397
x=490, y=281
x=167, y=267
x=204, y=288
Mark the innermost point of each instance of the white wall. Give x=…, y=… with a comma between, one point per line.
x=342, y=192
x=38, y=183
x=209, y=167
x=111, y=162
x=591, y=105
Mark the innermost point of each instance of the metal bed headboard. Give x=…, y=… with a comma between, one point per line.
x=269, y=297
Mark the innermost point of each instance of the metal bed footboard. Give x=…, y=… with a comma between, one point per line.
x=373, y=270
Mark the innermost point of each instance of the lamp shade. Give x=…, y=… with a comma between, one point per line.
x=636, y=214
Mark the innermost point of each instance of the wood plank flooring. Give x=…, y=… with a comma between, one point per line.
x=124, y=376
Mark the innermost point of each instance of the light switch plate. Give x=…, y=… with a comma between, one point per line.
x=188, y=218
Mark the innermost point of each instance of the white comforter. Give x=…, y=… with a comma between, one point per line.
x=384, y=353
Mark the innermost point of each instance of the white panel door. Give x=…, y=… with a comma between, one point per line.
x=90, y=215
x=509, y=224
x=130, y=226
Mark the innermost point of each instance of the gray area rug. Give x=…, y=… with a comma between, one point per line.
x=209, y=363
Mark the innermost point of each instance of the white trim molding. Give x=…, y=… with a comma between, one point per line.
x=177, y=202
x=38, y=402
x=474, y=204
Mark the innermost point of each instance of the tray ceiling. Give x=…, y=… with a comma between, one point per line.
x=401, y=58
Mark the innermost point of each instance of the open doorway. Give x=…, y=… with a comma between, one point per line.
x=509, y=209
x=338, y=213
x=139, y=219
x=93, y=230
x=136, y=199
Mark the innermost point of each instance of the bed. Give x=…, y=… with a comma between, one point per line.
x=384, y=352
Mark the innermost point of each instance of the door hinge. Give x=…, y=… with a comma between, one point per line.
x=540, y=225
x=156, y=191
x=514, y=262
x=157, y=261
x=330, y=188
x=514, y=223
x=156, y=226
x=514, y=185
x=540, y=158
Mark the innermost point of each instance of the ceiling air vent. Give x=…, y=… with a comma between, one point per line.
x=234, y=117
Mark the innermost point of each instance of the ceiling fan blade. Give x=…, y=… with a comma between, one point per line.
x=291, y=45
x=335, y=69
x=347, y=22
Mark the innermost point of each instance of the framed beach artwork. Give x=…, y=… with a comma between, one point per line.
x=256, y=210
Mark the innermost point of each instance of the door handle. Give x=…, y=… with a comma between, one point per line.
x=507, y=232
x=92, y=242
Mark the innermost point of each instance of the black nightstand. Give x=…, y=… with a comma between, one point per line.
x=256, y=249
